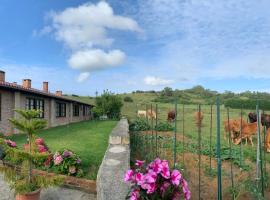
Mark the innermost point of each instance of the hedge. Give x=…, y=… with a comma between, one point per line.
x=247, y=104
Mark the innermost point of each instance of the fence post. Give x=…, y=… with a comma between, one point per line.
x=219, y=196
x=174, y=141
x=211, y=130
x=259, y=151
x=199, y=148
x=230, y=143
x=156, y=130
x=241, y=147
x=183, y=139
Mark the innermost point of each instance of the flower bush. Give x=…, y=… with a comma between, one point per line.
x=65, y=162
x=156, y=181
x=38, y=146
x=10, y=143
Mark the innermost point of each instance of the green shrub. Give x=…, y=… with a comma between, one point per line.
x=139, y=125
x=247, y=104
x=108, y=104
x=128, y=99
x=164, y=126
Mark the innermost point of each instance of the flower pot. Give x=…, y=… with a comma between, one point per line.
x=30, y=196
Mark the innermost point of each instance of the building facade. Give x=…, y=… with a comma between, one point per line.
x=56, y=108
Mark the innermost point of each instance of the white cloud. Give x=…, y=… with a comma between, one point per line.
x=155, y=81
x=89, y=60
x=44, y=31
x=86, y=25
x=83, y=77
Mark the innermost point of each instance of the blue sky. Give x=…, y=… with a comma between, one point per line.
x=126, y=45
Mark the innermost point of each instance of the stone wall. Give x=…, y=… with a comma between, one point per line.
x=110, y=178
x=7, y=111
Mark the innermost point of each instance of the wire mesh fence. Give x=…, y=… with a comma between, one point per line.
x=201, y=142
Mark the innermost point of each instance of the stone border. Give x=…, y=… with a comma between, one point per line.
x=110, y=178
x=85, y=185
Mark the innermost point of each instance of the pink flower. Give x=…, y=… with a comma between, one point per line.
x=165, y=172
x=187, y=193
x=176, y=177
x=41, y=149
x=164, y=187
x=67, y=153
x=151, y=188
x=150, y=177
x=129, y=175
x=139, y=178
x=139, y=163
x=135, y=194
x=156, y=166
x=39, y=141
x=72, y=169
x=11, y=143
x=57, y=158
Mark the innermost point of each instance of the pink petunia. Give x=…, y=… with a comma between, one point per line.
x=151, y=188
x=165, y=172
x=176, y=177
x=139, y=178
x=135, y=194
x=156, y=166
x=150, y=177
x=11, y=143
x=41, y=149
x=129, y=175
x=139, y=163
x=186, y=191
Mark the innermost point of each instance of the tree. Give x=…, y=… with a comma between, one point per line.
x=109, y=104
x=167, y=91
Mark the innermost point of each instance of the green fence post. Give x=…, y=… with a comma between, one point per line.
x=174, y=141
x=156, y=130
x=219, y=196
x=211, y=130
x=183, y=139
x=199, y=148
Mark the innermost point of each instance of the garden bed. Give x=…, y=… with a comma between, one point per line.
x=89, y=140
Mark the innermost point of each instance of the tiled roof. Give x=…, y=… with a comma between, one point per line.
x=14, y=86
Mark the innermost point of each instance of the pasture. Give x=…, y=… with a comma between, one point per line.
x=238, y=169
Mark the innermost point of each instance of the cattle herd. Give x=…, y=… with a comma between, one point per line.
x=238, y=129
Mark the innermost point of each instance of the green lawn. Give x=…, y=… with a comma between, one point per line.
x=88, y=139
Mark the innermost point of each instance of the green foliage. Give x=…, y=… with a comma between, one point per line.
x=23, y=181
x=164, y=126
x=109, y=104
x=128, y=99
x=247, y=104
x=139, y=125
x=167, y=91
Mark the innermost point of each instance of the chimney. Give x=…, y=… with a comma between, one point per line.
x=58, y=93
x=45, y=86
x=2, y=76
x=27, y=83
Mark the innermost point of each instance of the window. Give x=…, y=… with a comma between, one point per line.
x=85, y=110
x=60, y=109
x=35, y=104
x=76, y=110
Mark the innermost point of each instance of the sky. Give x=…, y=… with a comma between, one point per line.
x=82, y=47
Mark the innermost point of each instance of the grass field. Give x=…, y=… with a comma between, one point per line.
x=88, y=139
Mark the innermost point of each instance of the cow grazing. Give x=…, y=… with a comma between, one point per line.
x=267, y=141
x=171, y=115
x=265, y=119
x=233, y=126
x=198, y=118
x=141, y=113
x=248, y=131
x=151, y=114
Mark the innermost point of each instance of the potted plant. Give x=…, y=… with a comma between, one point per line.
x=26, y=184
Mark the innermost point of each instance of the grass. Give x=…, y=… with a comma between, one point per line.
x=88, y=139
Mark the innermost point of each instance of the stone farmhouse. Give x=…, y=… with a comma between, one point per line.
x=56, y=108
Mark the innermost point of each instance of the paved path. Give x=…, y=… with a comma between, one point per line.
x=48, y=194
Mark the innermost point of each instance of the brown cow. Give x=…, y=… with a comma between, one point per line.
x=248, y=131
x=171, y=115
x=267, y=141
x=151, y=114
x=198, y=118
x=265, y=119
x=234, y=125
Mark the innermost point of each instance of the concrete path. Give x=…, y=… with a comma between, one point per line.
x=48, y=194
